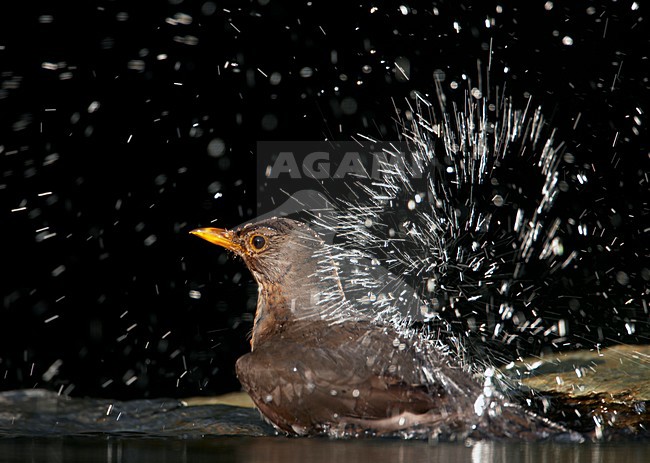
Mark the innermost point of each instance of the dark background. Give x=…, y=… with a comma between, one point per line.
x=107, y=109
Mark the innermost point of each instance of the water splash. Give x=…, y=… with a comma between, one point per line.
x=468, y=223
x=458, y=240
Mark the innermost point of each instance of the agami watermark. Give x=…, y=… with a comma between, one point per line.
x=298, y=176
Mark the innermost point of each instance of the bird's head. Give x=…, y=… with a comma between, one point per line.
x=274, y=250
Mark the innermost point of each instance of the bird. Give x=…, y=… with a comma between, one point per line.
x=318, y=365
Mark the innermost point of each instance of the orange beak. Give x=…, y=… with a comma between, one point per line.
x=220, y=236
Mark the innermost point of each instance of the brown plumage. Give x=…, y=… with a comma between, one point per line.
x=314, y=366
x=317, y=366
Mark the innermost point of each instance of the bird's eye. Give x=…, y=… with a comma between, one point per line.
x=258, y=242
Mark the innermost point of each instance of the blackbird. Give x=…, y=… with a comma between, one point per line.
x=318, y=366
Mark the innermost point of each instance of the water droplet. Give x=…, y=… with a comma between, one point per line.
x=566, y=40
x=269, y=122
x=208, y=8
x=216, y=147
x=275, y=78
x=58, y=271
x=348, y=106
x=622, y=278
x=136, y=65
x=306, y=72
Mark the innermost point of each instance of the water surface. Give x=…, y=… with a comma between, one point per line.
x=611, y=385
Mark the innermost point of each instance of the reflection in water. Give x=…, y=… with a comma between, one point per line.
x=287, y=450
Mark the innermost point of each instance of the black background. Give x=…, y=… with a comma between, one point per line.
x=130, y=178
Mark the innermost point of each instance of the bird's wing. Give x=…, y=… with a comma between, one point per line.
x=304, y=385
